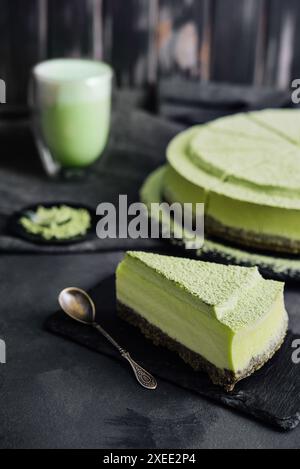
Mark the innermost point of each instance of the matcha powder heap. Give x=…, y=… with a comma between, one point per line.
x=57, y=222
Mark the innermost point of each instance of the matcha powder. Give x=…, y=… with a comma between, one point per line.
x=58, y=222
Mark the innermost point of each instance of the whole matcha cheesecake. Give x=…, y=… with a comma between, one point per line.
x=224, y=320
x=246, y=169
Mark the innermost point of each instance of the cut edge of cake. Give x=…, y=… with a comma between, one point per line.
x=265, y=323
x=227, y=379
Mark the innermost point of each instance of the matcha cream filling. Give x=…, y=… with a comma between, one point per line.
x=248, y=328
x=215, y=177
x=151, y=191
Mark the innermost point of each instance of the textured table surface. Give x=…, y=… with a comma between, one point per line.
x=55, y=393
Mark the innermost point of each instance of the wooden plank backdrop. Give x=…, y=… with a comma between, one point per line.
x=236, y=41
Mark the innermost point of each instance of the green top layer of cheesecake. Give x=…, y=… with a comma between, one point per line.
x=236, y=296
x=253, y=157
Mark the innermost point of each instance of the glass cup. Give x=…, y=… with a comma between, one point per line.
x=71, y=103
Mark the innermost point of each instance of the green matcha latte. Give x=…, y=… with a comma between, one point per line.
x=72, y=101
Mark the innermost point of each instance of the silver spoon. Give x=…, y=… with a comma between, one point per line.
x=77, y=304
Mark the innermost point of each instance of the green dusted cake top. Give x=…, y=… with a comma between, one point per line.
x=226, y=292
x=213, y=283
x=250, y=156
x=283, y=122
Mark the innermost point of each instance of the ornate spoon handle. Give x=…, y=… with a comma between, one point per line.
x=143, y=377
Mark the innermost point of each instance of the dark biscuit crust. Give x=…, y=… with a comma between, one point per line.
x=225, y=378
x=251, y=239
x=246, y=238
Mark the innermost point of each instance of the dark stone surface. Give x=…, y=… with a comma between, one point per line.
x=271, y=395
x=55, y=393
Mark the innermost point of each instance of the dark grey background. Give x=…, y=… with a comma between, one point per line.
x=150, y=41
x=57, y=394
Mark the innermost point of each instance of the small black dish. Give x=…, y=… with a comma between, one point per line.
x=15, y=228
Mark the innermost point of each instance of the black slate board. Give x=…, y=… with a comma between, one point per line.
x=271, y=395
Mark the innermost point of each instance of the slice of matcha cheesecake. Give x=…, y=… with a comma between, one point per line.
x=224, y=320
